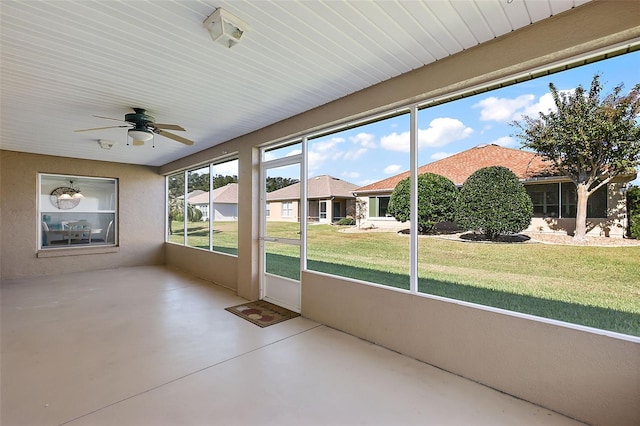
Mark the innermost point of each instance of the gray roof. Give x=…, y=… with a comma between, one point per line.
x=227, y=194
x=318, y=187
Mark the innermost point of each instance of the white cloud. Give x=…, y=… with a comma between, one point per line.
x=440, y=155
x=367, y=140
x=545, y=105
x=396, y=142
x=321, y=151
x=354, y=155
x=326, y=144
x=441, y=131
x=392, y=169
x=503, y=141
x=503, y=109
x=509, y=109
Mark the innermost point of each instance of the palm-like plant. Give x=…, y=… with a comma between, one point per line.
x=177, y=211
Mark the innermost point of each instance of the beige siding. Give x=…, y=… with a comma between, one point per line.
x=276, y=212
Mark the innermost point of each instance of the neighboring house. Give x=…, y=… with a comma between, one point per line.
x=191, y=194
x=554, y=196
x=330, y=199
x=225, y=203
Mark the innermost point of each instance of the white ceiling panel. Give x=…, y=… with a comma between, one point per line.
x=62, y=62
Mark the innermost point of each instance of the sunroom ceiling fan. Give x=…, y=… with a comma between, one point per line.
x=142, y=127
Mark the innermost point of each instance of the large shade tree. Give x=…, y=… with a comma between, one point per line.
x=590, y=138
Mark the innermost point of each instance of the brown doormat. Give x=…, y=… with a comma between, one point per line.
x=262, y=313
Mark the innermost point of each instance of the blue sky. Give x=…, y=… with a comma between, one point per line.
x=376, y=151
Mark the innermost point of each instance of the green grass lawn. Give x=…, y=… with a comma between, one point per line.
x=225, y=235
x=593, y=286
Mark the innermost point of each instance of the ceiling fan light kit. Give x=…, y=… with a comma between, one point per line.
x=225, y=28
x=141, y=128
x=140, y=134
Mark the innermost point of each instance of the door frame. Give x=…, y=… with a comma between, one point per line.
x=283, y=291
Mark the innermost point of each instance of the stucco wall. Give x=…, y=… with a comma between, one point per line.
x=140, y=221
x=590, y=376
x=214, y=267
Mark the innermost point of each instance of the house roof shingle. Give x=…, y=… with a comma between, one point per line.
x=227, y=194
x=458, y=167
x=318, y=187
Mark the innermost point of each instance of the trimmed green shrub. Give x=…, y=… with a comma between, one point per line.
x=634, y=226
x=347, y=221
x=492, y=201
x=436, y=201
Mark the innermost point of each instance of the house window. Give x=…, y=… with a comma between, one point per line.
x=198, y=195
x=596, y=204
x=76, y=211
x=209, y=218
x=357, y=256
x=204, y=208
x=287, y=209
x=378, y=206
x=560, y=200
x=545, y=199
x=504, y=276
x=268, y=209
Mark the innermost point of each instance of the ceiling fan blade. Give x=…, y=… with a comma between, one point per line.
x=137, y=142
x=168, y=126
x=174, y=137
x=100, y=128
x=109, y=118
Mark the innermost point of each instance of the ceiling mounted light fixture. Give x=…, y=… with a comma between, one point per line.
x=140, y=134
x=225, y=28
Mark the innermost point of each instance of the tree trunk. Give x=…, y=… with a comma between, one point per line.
x=581, y=213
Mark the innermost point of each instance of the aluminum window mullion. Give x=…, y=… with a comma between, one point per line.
x=210, y=207
x=559, y=200
x=413, y=215
x=304, y=211
x=184, y=207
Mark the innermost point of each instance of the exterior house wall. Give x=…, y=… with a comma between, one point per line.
x=221, y=211
x=141, y=237
x=615, y=225
x=204, y=208
x=225, y=211
x=275, y=211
